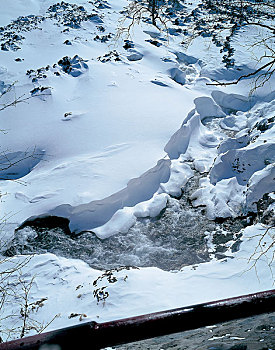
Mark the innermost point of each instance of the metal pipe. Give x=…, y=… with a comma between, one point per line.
x=93, y=335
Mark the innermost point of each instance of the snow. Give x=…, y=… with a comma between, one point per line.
x=231, y=102
x=206, y=107
x=98, y=130
x=105, y=135
x=69, y=286
x=222, y=200
x=260, y=183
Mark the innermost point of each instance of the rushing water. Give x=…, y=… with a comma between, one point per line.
x=174, y=239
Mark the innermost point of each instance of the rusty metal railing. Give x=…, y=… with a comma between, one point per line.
x=93, y=335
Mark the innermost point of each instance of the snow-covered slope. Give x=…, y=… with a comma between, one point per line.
x=95, y=127
x=94, y=133
x=105, y=129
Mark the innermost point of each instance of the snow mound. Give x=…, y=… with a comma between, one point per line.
x=242, y=163
x=125, y=218
x=74, y=66
x=87, y=217
x=180, y=174
x=260, y=183
x=223, y=200
x=179, y=142
x=233, y=143
x=234, y=122
x=184, y=58
x=177, y=75
x=191, y=139
x=232, y=102
x=243, y=171
x=206, y=107
x=134, y=55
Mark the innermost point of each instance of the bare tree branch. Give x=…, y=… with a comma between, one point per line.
x=261, y=69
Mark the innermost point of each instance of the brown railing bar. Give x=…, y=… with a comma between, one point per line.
x=93, y=335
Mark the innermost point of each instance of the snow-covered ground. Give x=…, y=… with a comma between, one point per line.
x=106, y=133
